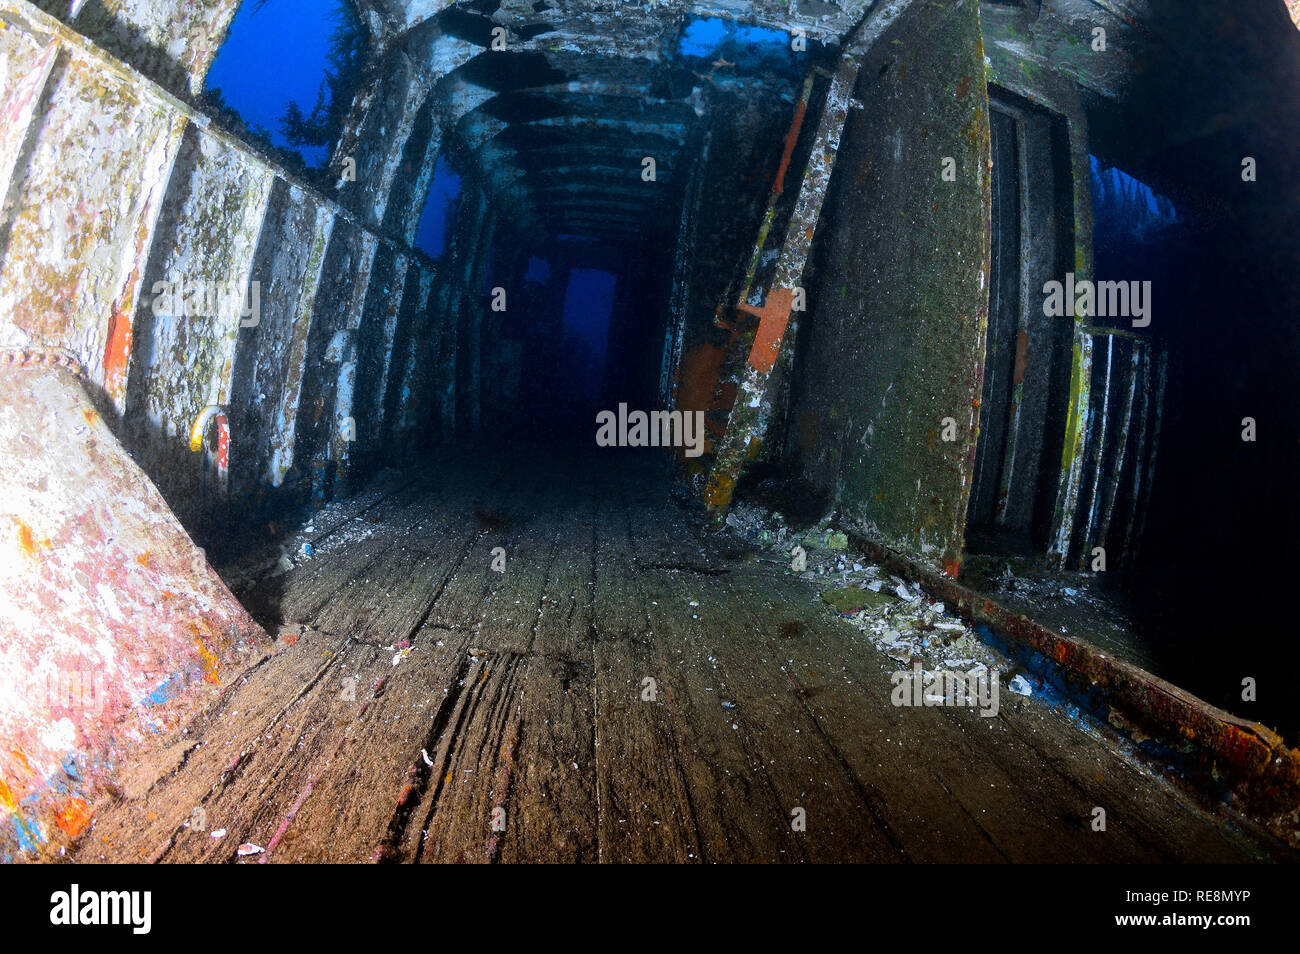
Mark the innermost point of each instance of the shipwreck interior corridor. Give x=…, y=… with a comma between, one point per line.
x=630, y=688
x=574, y=431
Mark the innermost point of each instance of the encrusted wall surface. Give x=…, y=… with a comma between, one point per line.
x=895, y=339
x=112, y=624
x=119, y=190
x=152, y=268
x=182, y=362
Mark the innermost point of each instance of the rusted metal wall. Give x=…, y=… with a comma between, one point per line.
x=181, y=362
x=84, y=195
x=271, y=359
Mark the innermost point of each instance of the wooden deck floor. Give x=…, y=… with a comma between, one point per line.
x=430, y=702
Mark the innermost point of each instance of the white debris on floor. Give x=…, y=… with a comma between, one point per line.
x=896, y=616
x=334, y=525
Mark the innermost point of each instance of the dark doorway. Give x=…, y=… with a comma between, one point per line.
x=1026, y=370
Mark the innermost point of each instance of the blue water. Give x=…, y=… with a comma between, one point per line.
x=747, y=47
x=1126, y=208
x=444, y=190
x=539, y=270
x=276, y=53
x=588, y=304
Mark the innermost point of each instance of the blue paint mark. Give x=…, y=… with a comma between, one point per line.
x=439, y=207
x=161, y=695
x=1089, y=708
x=1050, y=681
x=24, y=836
x=69, y=766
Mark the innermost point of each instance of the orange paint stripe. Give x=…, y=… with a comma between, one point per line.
x=791, y=139
x=771, y=329
x=117, y=352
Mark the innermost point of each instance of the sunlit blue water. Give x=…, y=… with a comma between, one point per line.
x=746, y=47
x=276, y=53
x=1123, y=206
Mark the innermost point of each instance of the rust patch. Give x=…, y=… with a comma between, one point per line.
x=209, y=661
x=1022, y=355
x=74, y=816
x=791, y=139
x=27, y=542
x=720, y=490
x=1253, y=759
x=773, y=320
x=223, y=443
x=696, y=381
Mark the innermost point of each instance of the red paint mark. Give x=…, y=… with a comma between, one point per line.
x=773, y=319
x=74, y=816
x=951, y=568
x=284, y=825
x=223, y=443
x=117, y=353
